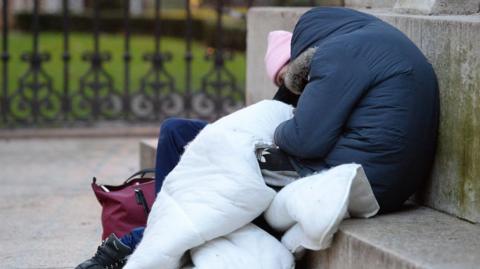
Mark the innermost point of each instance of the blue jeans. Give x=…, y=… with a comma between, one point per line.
x=175, y=134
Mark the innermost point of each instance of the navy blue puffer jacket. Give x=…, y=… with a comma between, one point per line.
x=371, y=98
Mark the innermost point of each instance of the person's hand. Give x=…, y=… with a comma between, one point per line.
x=286, y=96
x=273, y=159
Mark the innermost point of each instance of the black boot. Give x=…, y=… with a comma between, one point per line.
x=110, y=254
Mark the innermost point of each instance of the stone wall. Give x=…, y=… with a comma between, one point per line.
x=451, y=45
x=436, y=7
x=258, y=85
x=370, y=3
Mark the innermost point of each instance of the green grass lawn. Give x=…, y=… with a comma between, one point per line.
x=80, y=42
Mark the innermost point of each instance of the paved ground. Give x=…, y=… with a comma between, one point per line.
x=49, y=215
x=104, y=130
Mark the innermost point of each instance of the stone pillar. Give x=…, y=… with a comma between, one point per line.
x=76, y=6
x=52, y=6
x=136, y=8
x=21, y=5
x=435, y=7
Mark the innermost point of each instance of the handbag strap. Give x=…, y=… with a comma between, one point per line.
x=140, y=197
x=142, y=173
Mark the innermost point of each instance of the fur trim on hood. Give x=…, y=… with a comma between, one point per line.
x=296, y=76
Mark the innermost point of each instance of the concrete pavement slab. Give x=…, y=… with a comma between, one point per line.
x=49, y=215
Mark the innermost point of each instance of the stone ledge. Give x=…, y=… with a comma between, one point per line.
x=148, y=150
x=418, y=237
x=370, y=3
x=435, y=7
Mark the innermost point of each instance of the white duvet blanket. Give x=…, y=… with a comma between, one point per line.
x=207, y=202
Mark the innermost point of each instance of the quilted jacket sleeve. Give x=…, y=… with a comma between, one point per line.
x=338, y=79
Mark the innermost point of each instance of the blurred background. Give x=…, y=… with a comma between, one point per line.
x=81, y=62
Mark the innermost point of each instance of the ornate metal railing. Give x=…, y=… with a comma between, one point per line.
x=35, y=101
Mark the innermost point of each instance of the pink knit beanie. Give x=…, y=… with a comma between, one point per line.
x=278, y=52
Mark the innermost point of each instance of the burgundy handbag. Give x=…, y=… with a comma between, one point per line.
x=126, y=206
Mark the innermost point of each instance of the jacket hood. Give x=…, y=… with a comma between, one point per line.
x=320, y=24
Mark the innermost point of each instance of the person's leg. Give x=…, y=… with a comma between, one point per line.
x=133, y=238
x=175, y=134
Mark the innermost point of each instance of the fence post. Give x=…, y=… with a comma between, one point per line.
x=5, y=58
x=188, y=58
x=126, y=59
x=66, y=60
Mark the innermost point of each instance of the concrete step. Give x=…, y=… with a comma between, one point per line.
x=148, y=150
x=417, y=237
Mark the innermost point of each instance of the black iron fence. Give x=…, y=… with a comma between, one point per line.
x=36, y=101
